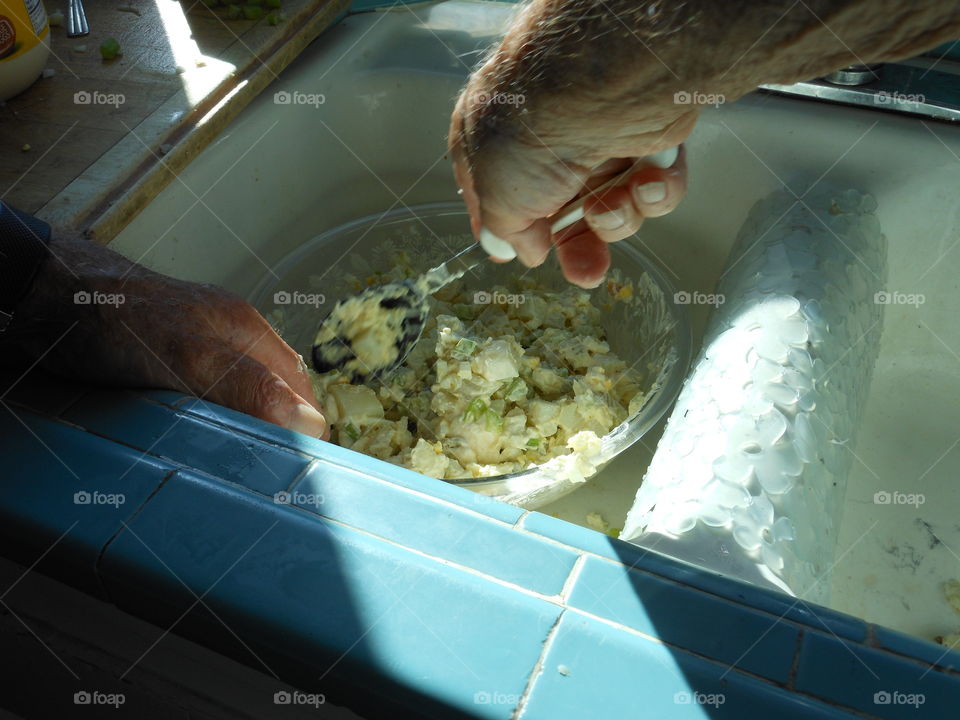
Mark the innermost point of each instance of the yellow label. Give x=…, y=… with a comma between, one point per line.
x=23, y=23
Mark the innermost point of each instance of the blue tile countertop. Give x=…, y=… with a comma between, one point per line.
x=393, y=592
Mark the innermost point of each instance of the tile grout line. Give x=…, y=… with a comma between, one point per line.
x=572, y=578
x=795, y=664
x=538, y=667
x=517, y=525
x=314, y=462
x=123, y=526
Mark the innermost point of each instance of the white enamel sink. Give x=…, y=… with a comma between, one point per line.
x=284, y=173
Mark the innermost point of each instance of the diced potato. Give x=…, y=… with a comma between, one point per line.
x=496, y=362
x=428, y=458
x=358, y=403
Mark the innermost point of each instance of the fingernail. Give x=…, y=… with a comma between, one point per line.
x=610, y=220
x=304, y=419
x=664, y=158
x=650, y=193
x=496, y=247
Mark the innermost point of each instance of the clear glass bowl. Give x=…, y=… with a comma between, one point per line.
x=653, y=331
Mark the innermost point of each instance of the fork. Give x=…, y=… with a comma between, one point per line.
x=76, y=19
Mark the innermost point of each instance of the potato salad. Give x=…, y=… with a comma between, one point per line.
x=499, y=382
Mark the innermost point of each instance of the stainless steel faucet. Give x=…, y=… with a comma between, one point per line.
x=909, y=87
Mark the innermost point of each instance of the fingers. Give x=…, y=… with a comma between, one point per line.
x=532, y=244
x=584, y=257
x=230, y=378
x=651, y=192
x=245, y=330
x=271, y=351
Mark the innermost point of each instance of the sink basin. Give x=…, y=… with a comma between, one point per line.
x=284, y=173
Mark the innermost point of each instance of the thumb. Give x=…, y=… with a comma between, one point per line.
x=240, y=382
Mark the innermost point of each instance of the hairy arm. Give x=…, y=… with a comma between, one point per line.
x=597, y=80
x=617, y=59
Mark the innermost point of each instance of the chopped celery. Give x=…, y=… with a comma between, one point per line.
x=252, y=12
x=352, y=431
x=275, y=18
x=516, y=390
x=533, y=442
x=475, y=410
x=494, y=422
x=464, y=348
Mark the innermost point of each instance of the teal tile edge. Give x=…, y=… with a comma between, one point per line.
x=576, y=572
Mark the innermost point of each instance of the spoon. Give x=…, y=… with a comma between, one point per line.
x=369, y=334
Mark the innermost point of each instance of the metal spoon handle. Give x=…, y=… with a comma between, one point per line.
x=76, y=19
x=453, y=269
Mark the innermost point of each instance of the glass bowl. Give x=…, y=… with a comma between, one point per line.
x=651, y=332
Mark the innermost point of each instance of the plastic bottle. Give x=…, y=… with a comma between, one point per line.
x=24, y=45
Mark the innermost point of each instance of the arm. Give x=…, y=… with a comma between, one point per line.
x=598, y=79
x=92, y=315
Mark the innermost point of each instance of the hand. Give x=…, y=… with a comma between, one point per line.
x=516, y=171
x=144, y=329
